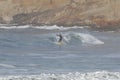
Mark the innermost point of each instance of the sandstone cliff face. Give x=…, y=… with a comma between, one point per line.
x=97, y=13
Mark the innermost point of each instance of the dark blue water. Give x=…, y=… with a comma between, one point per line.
x=34, y=51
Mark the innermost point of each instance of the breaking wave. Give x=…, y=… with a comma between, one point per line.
x=57, y=27
x=54, y=27
x=7, y=66
x=68, y=37
x=74, y=38
x=88, y=39
x=104, y=75
x=14, y=27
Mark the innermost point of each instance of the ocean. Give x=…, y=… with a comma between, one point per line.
x=32, y=53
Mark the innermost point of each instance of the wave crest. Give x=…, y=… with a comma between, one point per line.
x=88, y=39
x=54, y=27
x=76, y=38
x=7, y=65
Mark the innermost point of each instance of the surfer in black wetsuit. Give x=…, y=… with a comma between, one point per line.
x=60, y=37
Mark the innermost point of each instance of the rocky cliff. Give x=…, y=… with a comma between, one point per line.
x=101, y=14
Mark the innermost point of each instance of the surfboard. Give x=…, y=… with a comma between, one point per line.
x=59, y=43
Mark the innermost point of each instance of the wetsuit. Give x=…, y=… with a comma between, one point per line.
x=60, y=38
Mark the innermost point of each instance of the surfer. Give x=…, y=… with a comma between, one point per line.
x=60, y=37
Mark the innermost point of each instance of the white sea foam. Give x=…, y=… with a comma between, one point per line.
x=88, y=39
x=7, y=65
x=14, y=27
x=71, y=76
x=54, y=27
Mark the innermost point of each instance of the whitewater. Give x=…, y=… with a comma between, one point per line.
x=31, y=53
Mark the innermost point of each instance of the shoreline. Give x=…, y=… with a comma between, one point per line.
x=89, y=27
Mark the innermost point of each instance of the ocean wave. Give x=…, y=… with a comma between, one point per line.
x=54, y=27
x=7, y=65
x=88, y=39
x=103, y=75
x=14, y=27
x=60, y=56
x=75, y=37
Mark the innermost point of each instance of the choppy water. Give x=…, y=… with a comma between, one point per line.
x=85, y=54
